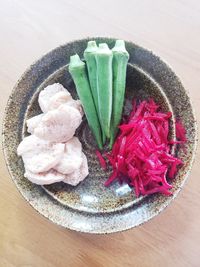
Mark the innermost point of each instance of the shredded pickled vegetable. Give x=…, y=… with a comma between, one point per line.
x=101, y=160
x=141, y=154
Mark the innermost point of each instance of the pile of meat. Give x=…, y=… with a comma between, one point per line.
x=52, y=153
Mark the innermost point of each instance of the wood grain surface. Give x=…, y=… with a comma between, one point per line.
x=171, y=29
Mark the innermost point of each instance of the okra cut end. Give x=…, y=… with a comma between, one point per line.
x=104, y=49
x=91, y=47
x=119, y=46
x=75, y=61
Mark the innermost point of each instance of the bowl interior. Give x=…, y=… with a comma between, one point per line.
x=91, y=195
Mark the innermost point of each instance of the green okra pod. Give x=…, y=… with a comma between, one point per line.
x=104, y=86
x=120, y=60
x=89, y=55
x=77, y=69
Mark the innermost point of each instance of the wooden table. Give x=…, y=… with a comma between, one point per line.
x=31, y=28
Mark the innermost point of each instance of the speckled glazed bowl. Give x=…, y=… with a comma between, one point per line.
x=90, y=207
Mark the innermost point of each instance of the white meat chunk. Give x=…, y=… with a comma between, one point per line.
x=79, y=175
x=72, y=158
x=48, y=92
x=58, y=99
x=77, y=105
x=49, y=101
x=39, y=155
x=63, y=98
x=33, y=122
x=42, y=178
x=59, y=125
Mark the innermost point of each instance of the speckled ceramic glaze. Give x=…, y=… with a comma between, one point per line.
x=90, y=207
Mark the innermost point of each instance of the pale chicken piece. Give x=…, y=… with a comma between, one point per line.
x=33, y=122
x=72, y=158
x=79, y=175
x=39, y=155
x=49, y=177
x=77, y=105
x=63, y=97
x=48, y=92
x=58, y=99
x=59, y=125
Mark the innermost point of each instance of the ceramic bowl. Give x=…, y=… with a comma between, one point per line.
x=91, y=207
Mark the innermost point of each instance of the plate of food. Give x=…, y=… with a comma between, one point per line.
x=99, y=135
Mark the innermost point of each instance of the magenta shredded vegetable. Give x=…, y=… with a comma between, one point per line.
x=101, y=160
x=141, y=153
